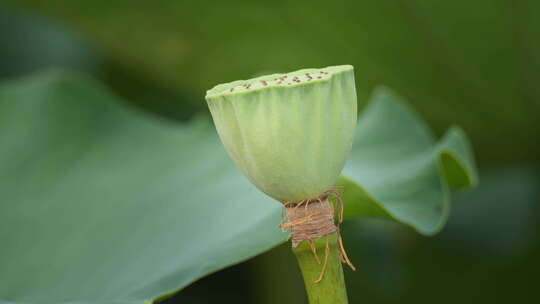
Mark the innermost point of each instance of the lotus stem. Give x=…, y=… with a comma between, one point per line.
x=323, y=276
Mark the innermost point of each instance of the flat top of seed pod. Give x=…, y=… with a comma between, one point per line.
x=292, y=79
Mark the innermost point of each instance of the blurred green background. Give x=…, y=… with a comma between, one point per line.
x=471, y=63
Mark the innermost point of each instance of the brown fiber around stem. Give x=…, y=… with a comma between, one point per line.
x=309, y=220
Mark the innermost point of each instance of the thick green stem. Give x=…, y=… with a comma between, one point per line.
x=331, y=288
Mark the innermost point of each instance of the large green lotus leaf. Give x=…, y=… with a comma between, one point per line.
x=475, y=63
x=102, y=204
x=397, y=170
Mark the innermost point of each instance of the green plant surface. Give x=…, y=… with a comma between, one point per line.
x=397, y=170
x=309, y=122
x=330, y=287
x=102, y=203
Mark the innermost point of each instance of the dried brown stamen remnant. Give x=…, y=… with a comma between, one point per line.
x=309, y=220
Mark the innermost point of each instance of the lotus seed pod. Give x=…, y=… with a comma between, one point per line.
x=289, y=133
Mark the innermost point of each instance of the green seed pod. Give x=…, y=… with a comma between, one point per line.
x=289, y=133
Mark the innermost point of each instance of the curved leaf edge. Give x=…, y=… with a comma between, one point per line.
x=174, y=291
x=197, y=125
x=448, y=160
